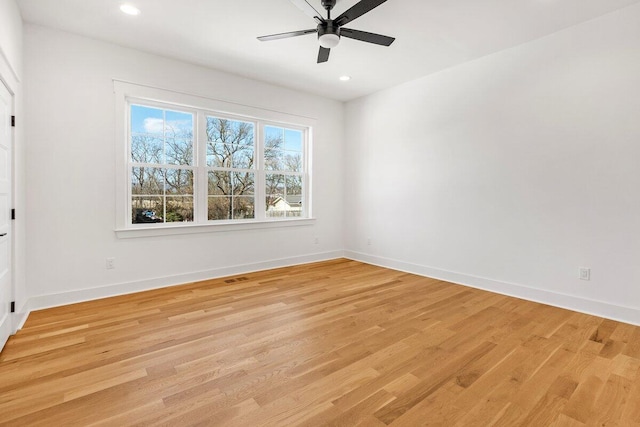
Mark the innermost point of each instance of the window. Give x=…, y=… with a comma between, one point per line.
x=195, y=165
x=162, y=165
x=284, y=172
x=230, y=168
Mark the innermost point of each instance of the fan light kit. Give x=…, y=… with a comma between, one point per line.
x=329, y=41
x=345, y=78
x=330, y=30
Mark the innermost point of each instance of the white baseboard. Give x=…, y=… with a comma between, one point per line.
x=82, y=295
x=570, y=302
x=20, y=316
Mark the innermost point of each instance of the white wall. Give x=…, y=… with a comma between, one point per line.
x=11, y=75
x=11, y=36
x=511, y=171
x=71, y=182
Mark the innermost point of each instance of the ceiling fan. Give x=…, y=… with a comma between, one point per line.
x=330, y=30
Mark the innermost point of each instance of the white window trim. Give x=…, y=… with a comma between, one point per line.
x=124, y=91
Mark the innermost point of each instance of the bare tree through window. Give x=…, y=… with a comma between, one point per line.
x=231, y=159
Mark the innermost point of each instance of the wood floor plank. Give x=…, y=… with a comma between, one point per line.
x=336, y=343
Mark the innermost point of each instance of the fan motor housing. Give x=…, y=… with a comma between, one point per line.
x=328, y=27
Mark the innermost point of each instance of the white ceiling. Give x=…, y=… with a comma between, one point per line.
x=430, y=35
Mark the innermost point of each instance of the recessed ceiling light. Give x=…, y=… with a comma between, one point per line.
x=130, y=10
x=345, y=78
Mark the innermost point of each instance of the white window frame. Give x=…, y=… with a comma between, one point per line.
x=129, y=93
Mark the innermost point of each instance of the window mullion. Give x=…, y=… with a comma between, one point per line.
x=306, y=174
x=201, y=184
x=259, y=191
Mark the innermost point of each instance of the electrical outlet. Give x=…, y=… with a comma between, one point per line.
x=316, y=240
x=368, y=241
x=584, y=273
x=110, y=263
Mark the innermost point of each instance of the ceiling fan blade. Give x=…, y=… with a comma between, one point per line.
x=366, y=37
x=323, y=54
x=309, y=10
x=286, y=35
x=357, y=10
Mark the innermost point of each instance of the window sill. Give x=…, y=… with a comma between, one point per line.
x=170, y=230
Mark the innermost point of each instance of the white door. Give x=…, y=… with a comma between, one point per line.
x=5, y=217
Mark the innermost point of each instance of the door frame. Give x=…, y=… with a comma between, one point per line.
x=9, y=78
x=8, y=323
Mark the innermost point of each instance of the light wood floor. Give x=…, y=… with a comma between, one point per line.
x=332, y=343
